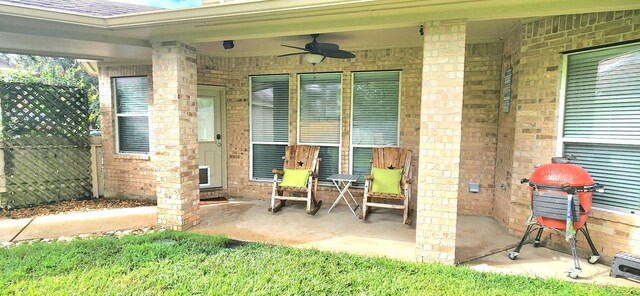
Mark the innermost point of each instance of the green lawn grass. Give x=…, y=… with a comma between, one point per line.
x=184, y=263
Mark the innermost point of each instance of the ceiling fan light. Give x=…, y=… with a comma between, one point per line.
x=314, y=58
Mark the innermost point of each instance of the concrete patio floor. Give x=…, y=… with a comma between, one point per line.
x=481, y=243
x=382, y=235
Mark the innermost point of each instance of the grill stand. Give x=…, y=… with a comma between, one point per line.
x=533, y=225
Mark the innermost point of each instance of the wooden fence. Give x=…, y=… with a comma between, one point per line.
x=45, y=144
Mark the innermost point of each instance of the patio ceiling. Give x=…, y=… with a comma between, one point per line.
x=26, y=29
x=477, y=32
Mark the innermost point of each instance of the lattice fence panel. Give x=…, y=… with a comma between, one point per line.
x=47, y=155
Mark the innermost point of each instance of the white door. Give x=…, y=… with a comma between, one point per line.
x=210, y=133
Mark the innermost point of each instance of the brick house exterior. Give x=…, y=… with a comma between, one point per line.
x=496, y=149
x=451, y=97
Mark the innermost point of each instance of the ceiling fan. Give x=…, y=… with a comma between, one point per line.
x=316, y=52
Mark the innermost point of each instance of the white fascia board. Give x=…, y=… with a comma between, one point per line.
x=368, y=11
x=246, y=11
x=289, y=17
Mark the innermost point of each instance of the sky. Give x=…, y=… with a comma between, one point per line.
x=163, y=3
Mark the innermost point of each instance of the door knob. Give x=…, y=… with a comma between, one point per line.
x=219, y=139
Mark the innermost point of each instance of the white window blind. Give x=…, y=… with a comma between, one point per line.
x=602, y=121
x=376, y=105
x=375, y=108
x=269, y=124
x=319, y=118
x=132, y=118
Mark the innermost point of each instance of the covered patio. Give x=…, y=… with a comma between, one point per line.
x=381, y=235
x=452, y=108
x=481, y=242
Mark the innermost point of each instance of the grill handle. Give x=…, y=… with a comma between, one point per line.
x=590, y=188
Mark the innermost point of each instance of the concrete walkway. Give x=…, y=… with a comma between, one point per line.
x=547, y=263
x=71, y=224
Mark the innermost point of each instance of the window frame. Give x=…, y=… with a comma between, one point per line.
x=339, y=145
x=561, y=140
x=351, y=144
x=116, y=116
x=251, y=142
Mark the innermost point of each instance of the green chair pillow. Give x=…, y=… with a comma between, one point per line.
x=295, y=178
x=386, y=181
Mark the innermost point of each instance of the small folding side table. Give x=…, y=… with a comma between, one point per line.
x=343, y=182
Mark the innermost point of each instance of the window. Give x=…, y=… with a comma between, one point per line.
x=319, y=118
x=601, y=121
x=132, y=118
x=206, y=114
x=374, y=121
x=269, y=102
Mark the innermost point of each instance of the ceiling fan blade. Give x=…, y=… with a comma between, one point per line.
x=339, y=54
x=324, y=47
x=291, y=54
x=294, y=47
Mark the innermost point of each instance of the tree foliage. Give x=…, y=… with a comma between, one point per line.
x=53, y=71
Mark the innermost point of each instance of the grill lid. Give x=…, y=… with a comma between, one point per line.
x=562, y=175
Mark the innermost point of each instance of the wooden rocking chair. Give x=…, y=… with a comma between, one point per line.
x=390, y=158
x=298, y=157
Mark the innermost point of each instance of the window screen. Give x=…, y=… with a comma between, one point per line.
x=376, y=105
x=319, y=121
x=132, y=118
x=269, y=124
x=601, y=125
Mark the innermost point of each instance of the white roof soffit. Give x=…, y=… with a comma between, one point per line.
x=270, y=18
x=333, y=13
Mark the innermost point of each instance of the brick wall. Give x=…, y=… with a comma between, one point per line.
x=440, y=138
x=482, y=68
x=173, y=125
x=479, y=116
x=506, y=127
x=536, y=115
x=125, y=175
x=233, y=74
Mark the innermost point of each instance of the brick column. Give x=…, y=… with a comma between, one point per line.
x=440, y=133
x=174, y=138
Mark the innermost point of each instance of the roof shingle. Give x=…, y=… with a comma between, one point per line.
x=89, y=7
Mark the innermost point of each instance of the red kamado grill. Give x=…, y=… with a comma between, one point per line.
x=560, y=200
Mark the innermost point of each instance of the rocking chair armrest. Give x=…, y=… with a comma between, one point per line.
x=368, y=178
x=277, y=172
x=406, y=180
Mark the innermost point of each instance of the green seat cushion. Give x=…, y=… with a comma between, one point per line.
x=295, y=178
x=386, y=181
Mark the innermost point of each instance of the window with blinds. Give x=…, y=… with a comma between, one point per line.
x=601, y=121
x=132, y=118
x=374, y=122
x=269, y=101
x=319, y=118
